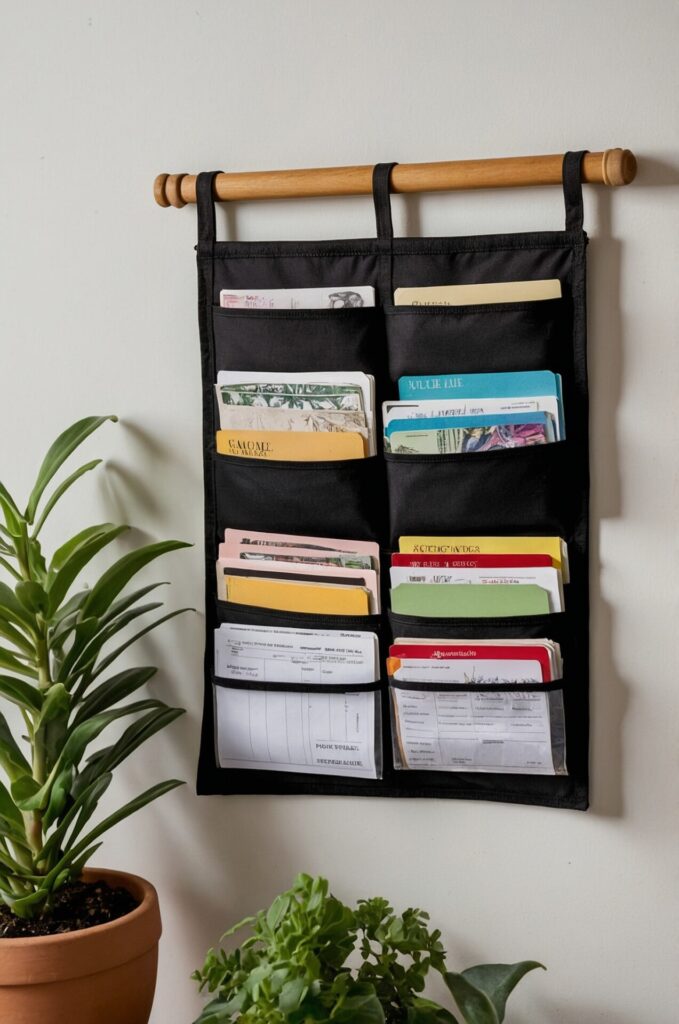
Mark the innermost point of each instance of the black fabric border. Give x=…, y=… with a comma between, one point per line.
x=556, y=791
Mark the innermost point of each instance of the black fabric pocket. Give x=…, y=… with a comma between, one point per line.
x=503, y=336
x=327, y=499
x=282, y=340
x=510, y=490
x=512, y=627
x=299, y=730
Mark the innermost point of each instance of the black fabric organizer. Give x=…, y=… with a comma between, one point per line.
x=534, y=490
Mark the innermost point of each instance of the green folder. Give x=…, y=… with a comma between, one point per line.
x=469, y=600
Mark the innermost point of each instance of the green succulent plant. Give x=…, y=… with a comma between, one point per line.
x=292, y=968
x=57, y=645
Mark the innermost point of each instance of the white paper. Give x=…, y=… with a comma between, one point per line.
x=286, y=655
x=341, y=297
x=324, y=734
x=489, y=731
x=546, y=577
x=468, y=671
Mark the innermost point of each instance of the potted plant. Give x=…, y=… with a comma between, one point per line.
x=292, y=968
x=76, y=944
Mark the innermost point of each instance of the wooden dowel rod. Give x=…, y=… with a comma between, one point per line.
x=610, y=167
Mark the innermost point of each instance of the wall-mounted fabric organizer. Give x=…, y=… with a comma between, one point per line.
x=529, y=491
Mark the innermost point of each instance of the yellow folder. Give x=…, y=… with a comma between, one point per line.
x=552, y=546
x=291, y=445
x=286, y=595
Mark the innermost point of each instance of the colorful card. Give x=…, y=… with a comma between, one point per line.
x=450, y=663
x=286, y=595
x=472, y=561
x=413, y=409
x=468, y=434
x=553, y=546
x=258, y=539
x=527, y=384
x=282, y=445
x=468, y=600
x=367, y=578
x=548, y=578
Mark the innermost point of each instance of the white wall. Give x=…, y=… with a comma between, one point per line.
x=98, y=314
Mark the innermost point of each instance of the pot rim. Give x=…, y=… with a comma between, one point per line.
x=88, y=950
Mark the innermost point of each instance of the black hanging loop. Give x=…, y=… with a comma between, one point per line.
x=381, y=175
x=572, y=189
x=385, y=229
x=207, y=223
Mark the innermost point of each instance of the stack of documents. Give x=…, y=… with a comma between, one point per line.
x=289, y=572
x=344, y=297
x=286, y=730
x=474, y=412
x=479, y=294
x=470, y=577
x=492, y=729
x=475, y=662
x=296, y=416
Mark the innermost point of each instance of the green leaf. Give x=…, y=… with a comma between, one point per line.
x=499, y=980
x=361, y=1006
x=79, y=813
x=59, y=797
x=125, y=602
x=423, y=1011
x=13, y=611
x=8, y=632
x=12, y=663
x=65, y=445
x=56, y=703
x=74, y=543
x=292, y=994
x=87, y=644
x=83, y=633
x=59, y=582
x=20, y=693
x=139, y=732
x=110, y=658
x=24, y=790
x=76, y=744
x=7, y=499
x=474, y=1005
x=10, y=511
x=8, y=808
x=76, y=867
x=115, y=689
x=36, y=562
x=32, y=596
x=113, y=819
x=118, y=576
x=61, y=490
x=8, y=567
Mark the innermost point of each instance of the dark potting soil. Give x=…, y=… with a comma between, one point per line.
x=76, y=906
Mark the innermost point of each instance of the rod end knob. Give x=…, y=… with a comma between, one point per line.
x=167, y=190
x=619, y=167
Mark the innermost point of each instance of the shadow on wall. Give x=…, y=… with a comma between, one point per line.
x=609, y=690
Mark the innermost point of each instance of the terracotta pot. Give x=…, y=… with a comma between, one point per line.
x=102, y=975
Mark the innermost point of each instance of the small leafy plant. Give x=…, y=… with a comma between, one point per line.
x=292, y=968
x=56, y=648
